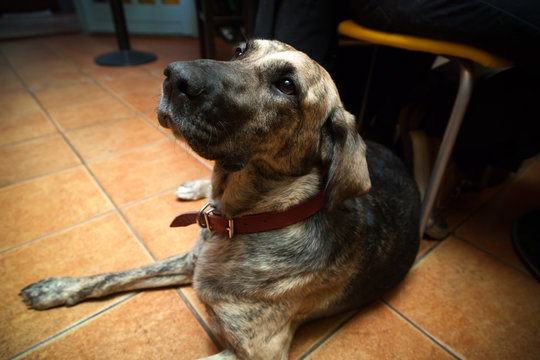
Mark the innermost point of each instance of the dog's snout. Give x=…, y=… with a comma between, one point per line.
x=185, y=78
x=167, y=71
x=190, y=88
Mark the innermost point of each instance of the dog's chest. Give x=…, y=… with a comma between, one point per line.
x=271, y=264
x=270, y=268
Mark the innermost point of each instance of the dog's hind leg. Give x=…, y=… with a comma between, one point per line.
x=57, y=291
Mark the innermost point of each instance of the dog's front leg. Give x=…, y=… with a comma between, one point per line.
x=194, y=189
x=57, y=291
x=224, y=355
x=254, y=330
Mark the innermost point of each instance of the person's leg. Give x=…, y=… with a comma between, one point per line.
x=506, y=28
x=308, y=25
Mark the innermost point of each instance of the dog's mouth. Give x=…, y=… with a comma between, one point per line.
x=164, y=120
x=192, y=131
x=167, y=121
x=206, y=140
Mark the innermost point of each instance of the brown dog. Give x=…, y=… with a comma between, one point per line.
x=282, y=143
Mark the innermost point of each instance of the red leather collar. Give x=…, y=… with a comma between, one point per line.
x=209, y=218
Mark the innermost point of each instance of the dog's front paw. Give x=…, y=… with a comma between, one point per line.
x=193, y=190
x=52, y=292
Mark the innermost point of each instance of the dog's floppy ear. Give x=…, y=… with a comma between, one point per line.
x=348, y=174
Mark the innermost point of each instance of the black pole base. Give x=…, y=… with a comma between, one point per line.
x=125, y=58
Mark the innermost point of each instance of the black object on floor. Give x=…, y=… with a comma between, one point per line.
x=125, y=56
x=526, y=239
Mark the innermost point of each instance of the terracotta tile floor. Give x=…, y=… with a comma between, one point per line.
x=87, y=182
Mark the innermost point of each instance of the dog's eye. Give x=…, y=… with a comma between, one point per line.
x=238, y=52
x=286, y=86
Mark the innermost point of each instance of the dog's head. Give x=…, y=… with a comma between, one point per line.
x=271, y=107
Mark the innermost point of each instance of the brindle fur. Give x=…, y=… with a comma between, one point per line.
x=274, y=149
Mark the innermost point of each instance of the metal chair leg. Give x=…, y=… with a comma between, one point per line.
x=452, y=128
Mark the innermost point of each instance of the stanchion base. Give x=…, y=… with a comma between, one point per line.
x=125, y=58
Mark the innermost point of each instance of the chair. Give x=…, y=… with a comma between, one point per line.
x=466, y=56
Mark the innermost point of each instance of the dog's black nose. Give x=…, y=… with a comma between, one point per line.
x=185, y=77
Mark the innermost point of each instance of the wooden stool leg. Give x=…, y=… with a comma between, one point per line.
x=463, y=96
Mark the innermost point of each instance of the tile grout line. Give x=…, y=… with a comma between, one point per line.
x=153, y=196
x=105, y=122
x=453, y=232
x=424, y=332
x=138, y=113
x=37, y=177
x=81, y=159
x=132, y=108
x=97, y=183
x=497, y=194
x=24, y=141
x=493, y=256
x=125, y=152
x=520, y=173
x=91, y=218
x=103, y=87
x=328, y=335
x=427, y=253
x=116, y=207
x=135, y=110
x=124, y=102
x=199, y=319
x=73, y=326
x=66, y=228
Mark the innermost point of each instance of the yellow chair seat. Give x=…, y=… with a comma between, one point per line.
x=465, y=55
x=351, y=29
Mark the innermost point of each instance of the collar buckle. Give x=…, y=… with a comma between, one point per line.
x=230, y=228
x=206, y=210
